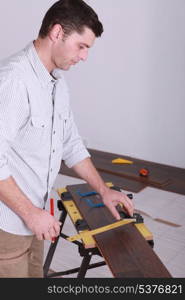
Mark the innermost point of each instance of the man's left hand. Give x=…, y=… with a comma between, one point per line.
x=112, y=198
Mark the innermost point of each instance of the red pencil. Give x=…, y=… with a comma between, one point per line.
x=52, y=212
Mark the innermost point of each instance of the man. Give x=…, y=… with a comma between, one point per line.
x=37, y=130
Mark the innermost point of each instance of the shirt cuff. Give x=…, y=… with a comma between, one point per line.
x=76, y=158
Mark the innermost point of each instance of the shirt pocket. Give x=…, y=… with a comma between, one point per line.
x=36, y=133
x=40, y=131
x=39, y=122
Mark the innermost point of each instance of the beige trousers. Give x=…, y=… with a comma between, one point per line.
x=20, y=256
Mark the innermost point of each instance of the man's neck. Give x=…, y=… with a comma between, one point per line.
x=43, y=50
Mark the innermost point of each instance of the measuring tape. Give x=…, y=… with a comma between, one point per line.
x=83, y=235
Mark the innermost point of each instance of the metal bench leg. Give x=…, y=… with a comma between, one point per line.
x=84, y=266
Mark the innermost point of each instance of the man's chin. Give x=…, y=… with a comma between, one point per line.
x=66, y=68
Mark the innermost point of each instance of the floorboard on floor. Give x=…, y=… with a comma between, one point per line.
x=125, y=183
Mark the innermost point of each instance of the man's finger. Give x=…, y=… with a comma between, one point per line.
x=52, y=232
x=39, y=236
x=47, y=236
x=114, y=211
x=57, y=229
x=128, y=205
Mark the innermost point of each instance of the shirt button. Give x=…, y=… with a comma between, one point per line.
x=51, y=170
x=54, y=132
x=53, y=150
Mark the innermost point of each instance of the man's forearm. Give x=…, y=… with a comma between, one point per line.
x=86, y=170
x=14, y=198
x=39, y=221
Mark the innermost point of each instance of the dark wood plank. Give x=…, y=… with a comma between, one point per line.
x=124, y=183
x=124, y=249
x=103, y=162
x=175, y=175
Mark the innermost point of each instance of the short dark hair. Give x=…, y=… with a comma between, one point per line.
x=72, y=15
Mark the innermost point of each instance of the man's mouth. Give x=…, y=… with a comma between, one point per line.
x=74, y=62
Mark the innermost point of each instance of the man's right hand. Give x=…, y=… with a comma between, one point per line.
x=42, y=224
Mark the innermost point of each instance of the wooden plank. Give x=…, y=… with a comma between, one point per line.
x=176, y=186
x=124, y=183
x=124, y=249
x=175, y=175
x=103, y=162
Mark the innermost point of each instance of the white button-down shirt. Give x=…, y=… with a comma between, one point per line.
x=37, y=131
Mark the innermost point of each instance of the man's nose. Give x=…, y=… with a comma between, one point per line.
x=84, y=54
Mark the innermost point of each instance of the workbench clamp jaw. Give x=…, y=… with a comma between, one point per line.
x=60, y=205
x=64, y=196
x=138, y=217
x=81, y=225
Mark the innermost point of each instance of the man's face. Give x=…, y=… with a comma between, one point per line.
x=71, y=49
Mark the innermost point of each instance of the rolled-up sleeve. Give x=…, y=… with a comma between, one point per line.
x=11, y=109
x=74, y=150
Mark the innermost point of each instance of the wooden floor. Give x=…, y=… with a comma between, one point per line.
x=169, y=241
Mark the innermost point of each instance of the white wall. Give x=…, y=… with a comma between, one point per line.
x=129, y=97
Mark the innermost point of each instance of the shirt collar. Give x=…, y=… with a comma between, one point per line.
x=42, y=73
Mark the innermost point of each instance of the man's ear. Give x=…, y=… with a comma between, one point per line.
x=56, y=33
